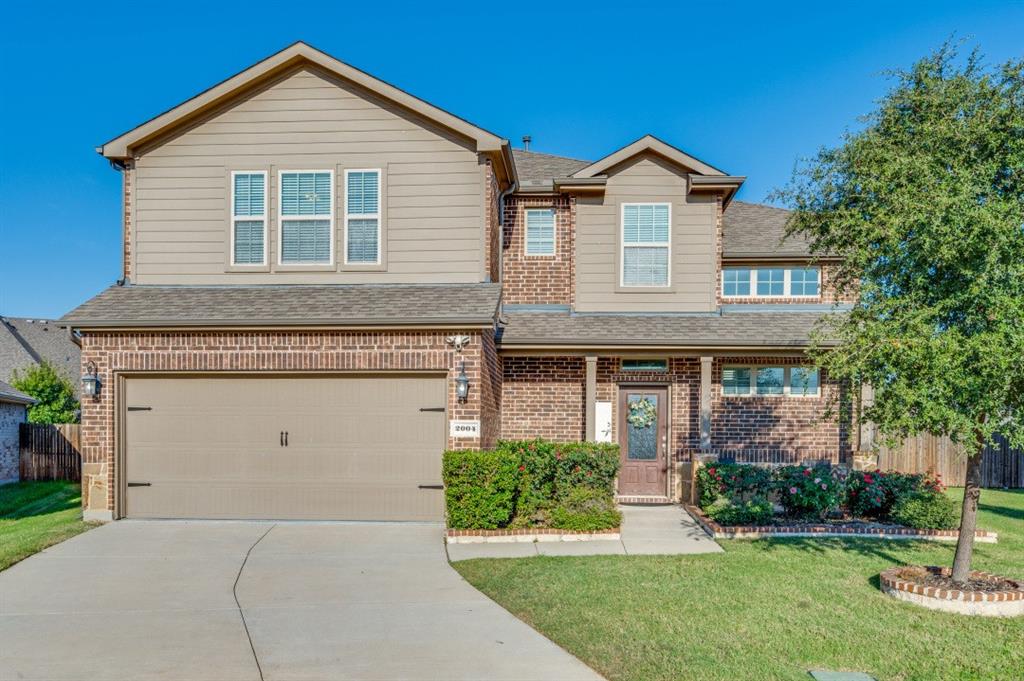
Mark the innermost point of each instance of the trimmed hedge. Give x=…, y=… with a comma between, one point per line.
x=522, y=483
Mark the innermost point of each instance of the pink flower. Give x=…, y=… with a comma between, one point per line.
x=792, y=490
x=824, y=486
x=817, y=481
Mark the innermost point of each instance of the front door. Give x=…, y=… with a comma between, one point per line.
x=643, y=438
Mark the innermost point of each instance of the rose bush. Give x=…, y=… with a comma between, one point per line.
x=810, y=491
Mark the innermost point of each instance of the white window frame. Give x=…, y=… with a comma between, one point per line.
x=364, y=216
x=554, y=232
x=281, y=218
x=265, y=218
x=786, y=381
x=787, y=283
x=623, y=246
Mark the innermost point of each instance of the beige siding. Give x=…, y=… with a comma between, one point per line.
x=433, y=186
x=598, y=239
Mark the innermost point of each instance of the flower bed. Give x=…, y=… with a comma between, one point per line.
x=531, y=486
x=984, y=593
x=741, y=499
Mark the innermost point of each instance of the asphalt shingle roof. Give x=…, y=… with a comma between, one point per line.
x=9, y=393
x=728, y=329
x=25, y=342
x=749, y=229
x=340, y=305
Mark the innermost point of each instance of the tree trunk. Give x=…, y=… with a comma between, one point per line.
x=969, y=514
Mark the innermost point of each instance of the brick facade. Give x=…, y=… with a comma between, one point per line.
x=538, y=279
x=492, y=224
x=298, y=351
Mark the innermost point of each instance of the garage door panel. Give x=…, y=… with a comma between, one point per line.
x=358, y=447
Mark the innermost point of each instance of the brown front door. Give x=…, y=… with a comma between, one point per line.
x=644, y=469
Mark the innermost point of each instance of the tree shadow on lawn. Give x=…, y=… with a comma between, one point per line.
x=874, y=548
x=24, y=502
x=1011, y=513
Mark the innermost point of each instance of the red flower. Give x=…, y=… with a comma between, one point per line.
x=711, y=471
x=868, y=479
x=522, y=468
x=807, y=471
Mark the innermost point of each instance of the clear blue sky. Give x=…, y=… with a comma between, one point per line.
x=748, y=87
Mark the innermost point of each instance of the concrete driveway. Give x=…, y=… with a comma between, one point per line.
x=238, y=600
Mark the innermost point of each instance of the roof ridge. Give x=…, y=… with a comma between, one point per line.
x=544, y=153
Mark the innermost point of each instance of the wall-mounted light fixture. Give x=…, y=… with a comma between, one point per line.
x=91, y=383
x=462, y=384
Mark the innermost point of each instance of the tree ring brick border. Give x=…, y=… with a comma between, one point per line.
x=717, y=531
x=1003, y=603
x=529, y=536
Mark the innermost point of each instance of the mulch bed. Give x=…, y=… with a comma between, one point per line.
x=940, y=579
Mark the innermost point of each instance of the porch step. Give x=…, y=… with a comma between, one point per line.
x=643, y=500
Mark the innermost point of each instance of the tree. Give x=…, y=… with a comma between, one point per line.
x=54, y=394
x=924, y=205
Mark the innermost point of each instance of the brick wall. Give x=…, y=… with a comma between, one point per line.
x=543, y=397
x=11, y=416
x=298, y=351
x=538, y=280
x=492, y=223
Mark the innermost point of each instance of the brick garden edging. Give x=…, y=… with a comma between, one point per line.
x=1004, y=603
x=529, y=535
x=824, y=531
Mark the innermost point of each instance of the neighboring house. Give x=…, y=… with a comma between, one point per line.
x=313, y=259
x=13, y=407
x=26, y=343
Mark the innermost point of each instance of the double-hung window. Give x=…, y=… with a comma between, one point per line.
x=307, y=217
x=646, y=252
x=362, y=217
x=540, y=231
x=248, y=218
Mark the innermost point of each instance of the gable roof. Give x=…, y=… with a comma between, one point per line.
x=297, y=305
x=647, y=143
x=12, y=395
x=292, y=56
x=26, y=342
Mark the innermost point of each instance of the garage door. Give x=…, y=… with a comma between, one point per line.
x=352, y=448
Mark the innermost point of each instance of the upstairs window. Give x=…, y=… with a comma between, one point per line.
x=540, y=231
x=771, y=282
x=248, y=218
x=307, y=217
x=362, y=217
x=645, y=244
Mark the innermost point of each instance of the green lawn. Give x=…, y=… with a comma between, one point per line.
x=770, y=609
x=34, y=515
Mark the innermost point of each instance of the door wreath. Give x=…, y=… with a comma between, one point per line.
x=642, y=413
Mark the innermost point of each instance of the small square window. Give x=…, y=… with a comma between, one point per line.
x=803, y=381
x=736, y=281
x=735, y=380
x=771, y=281
x=660, y=365
x=770, y=380
x=803, y=281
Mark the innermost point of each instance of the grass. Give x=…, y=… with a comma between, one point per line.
x=34, y=515
x=767, y=609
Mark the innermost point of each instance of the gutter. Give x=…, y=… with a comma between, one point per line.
x=267, y=324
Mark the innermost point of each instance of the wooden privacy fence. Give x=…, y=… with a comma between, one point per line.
x=1001, y=465
x=51, y=452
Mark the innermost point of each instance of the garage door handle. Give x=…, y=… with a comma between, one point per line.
x=440, y=409
x=431, y=486
x=140, y=484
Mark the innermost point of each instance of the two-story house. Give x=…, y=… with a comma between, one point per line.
x=328, y=281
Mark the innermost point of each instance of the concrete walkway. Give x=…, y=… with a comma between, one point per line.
x=220, y=601
x=646, y=530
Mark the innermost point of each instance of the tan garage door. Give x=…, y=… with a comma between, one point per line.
x=352, y=448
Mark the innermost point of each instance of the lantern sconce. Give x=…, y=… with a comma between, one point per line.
x=462, y=384
x=91, y=383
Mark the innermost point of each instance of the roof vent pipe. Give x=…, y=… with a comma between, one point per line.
x=526, y=142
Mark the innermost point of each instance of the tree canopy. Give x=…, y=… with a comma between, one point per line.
x=54, y=393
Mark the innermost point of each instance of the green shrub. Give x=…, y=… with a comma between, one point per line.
x=480, y=488
x=873, y=494
x=726, y=511
x=810, y=491
x=586, y=464
x=586, y=509
x=927, y=510
x=734, y=481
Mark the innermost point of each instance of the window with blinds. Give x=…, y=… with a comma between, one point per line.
x=645, y=244
x=248, y=217
x=797, y=381
x=540, y=231
x=307, y=217
x=362, y=217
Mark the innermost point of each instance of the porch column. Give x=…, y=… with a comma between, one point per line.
x=705, y=402
x=590, y=398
